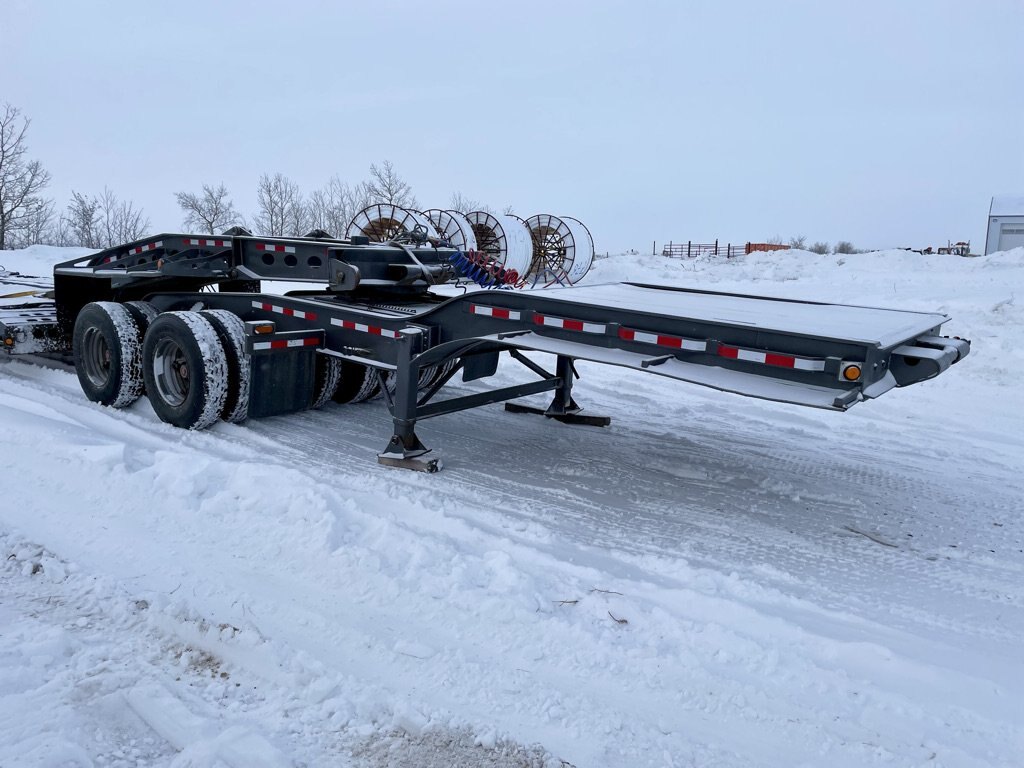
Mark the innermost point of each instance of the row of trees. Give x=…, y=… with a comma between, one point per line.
x=799, y=242
x=100, y=221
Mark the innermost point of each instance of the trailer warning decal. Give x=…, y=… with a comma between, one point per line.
x=285, y=311
x=312, y=341
x=207, y=243
x=498, y=312
x=275, y=248
x=661, y=340
x=568, y=324
x=348, y=324
x=771, y=358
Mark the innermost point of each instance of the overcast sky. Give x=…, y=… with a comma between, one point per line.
x=882, y=122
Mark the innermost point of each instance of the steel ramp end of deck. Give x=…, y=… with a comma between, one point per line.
x=723, y=379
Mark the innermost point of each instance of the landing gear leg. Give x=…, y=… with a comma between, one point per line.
x=563, y=408
x=405, y=449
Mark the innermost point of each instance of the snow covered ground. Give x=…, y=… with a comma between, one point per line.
x=711, y=581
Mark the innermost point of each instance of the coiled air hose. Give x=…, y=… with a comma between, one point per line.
x=483, y=270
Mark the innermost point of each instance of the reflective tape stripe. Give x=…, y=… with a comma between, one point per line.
x=288, y=311
x=143, y=248
x=569, y=324
x=663, y=340
x=497, y=312
x=730, y=353
x=349, y=325
x=275, y=248
x=207, y=243
x=312, y=341
x=771, y=358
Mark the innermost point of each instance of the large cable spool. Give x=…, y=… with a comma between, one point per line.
x=584, y=256
x=554, y=250
x=505, y=238
x=453, y=227
x=384, y=222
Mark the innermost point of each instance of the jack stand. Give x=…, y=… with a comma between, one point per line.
x=408, y=453
x=563, y=408
x=566, y=418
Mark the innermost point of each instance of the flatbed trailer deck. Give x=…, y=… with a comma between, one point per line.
x=372, y=321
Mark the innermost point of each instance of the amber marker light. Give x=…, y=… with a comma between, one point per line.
x=264, y=329
x=851, y=372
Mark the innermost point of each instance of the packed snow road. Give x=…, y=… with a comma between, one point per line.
x=711, y=581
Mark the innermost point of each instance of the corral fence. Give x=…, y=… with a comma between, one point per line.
x=690, y=249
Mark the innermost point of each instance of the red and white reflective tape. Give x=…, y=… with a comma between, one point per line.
x=275, y=248
x=568, y=324
x=498, y=312
x=771, y=358
x=285, y=311
x=208, y=243
x=662, y=340
x=312, y=341
x=349, y=325
x=144, y=248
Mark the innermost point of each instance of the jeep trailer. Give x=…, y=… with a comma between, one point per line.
x=182, y=319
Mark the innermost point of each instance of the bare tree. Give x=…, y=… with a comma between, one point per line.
x=845, y=246
x=37, y=226
x=462, y=204
x=21, y=179
x=386, y=186
x=508, y=210
x=282, y=211
x=777, y=240
x=100, y=222
x=209, y=212
x=121, y=221
x=80, y=223
x=333, y=207
x=799, y=242
x=819, y=247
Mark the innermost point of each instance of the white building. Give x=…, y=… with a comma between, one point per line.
x=1005, y=223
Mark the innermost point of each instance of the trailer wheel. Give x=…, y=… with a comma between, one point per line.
x=428, y=376
x=143, y=312
x=230, y=330
x=390, y=381
x=432, y=373
x=107, y=348
x=357, y=383
x=327, y=377
x=186, y=369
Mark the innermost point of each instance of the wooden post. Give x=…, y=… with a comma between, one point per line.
x=716, y=246
x=654, y=248
x=688, y=245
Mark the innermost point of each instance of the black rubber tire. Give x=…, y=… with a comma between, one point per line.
x=325, y=384
x=186, y=370
x=357, y=384
x=107, y=349
x=432, y=373
x=390, y=381
x=144, y=314
x=230, y=330
x=428, y=376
